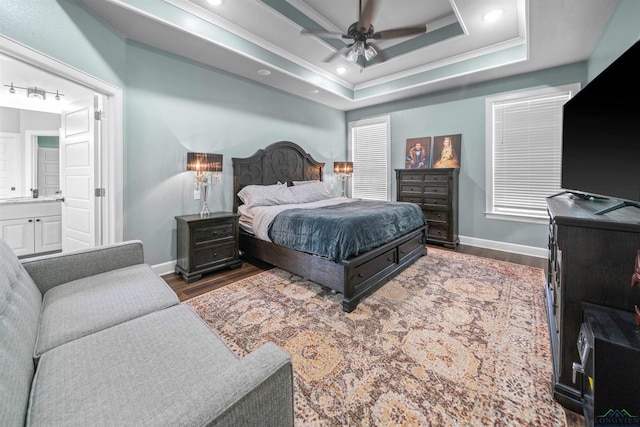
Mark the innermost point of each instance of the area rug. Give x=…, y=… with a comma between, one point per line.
x=454, y=340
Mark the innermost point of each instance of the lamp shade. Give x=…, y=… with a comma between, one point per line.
x=204, y=162
x=343, y=167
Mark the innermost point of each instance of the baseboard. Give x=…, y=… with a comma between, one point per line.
x=164, y=268
x=505, y=247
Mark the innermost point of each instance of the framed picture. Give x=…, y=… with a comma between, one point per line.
x=446, y=151
x=418, y=153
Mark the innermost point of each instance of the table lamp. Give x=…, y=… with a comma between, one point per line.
x=202, y=164
x=343, y=170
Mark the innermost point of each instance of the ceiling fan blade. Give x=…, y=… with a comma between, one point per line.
x=366, y=15
x=325, y=34
x=400, y=32
x=337, y=53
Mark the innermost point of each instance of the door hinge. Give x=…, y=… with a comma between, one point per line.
x=100, y=192
x=99, y=115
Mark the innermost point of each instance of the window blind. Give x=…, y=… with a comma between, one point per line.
x=527, y=153
x=370, y=157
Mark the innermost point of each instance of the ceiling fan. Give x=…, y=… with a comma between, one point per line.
x=362, y=32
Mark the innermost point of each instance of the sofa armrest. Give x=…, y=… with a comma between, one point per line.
x=49, y=271
x=257, y=392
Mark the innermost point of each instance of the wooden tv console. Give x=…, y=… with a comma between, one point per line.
x=591, y=259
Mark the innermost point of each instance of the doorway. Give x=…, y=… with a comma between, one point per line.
x=109, y=159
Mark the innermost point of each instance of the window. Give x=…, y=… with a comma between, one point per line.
x=369, y=142
x=524, y=152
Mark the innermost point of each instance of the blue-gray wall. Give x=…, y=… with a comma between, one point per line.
x=67, y=32
x=462, y=111
x=621, y=33
x=173, y=105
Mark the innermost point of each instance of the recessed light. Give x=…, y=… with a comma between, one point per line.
x=493, y=15
x=264, y=72
x=314, y=91
x=341, y=70
x=215, y=2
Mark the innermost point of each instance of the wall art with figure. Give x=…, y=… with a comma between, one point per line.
x=446, y=151
x=418, y=153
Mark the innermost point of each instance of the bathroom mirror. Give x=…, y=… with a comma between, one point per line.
x=42, y=162
x=24, y=135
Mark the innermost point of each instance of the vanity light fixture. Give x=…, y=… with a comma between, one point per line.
x=35, y=92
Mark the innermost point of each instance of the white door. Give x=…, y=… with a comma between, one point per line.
x=10, y=185
x=79, y=146
x=48, y=171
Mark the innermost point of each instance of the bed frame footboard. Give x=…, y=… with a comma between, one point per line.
x=355, y=277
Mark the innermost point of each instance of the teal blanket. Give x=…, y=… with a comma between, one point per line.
x=341, y=231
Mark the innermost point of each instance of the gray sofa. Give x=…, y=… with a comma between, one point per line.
x=96, y=338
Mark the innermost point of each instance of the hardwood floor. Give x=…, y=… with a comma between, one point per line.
x=251, y=266
x=214, y=280
x=502, y=256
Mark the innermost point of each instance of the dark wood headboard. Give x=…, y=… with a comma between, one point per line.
x=282, y=161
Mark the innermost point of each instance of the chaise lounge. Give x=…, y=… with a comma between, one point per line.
x=95, y=337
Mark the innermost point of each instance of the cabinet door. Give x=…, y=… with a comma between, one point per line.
x=48, y=233
x=18, y=234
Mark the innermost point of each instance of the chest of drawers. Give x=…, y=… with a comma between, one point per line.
x=436, y=191
x=206, y=244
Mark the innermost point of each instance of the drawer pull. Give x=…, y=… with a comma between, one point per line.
x=360, y=275
x=390, y=259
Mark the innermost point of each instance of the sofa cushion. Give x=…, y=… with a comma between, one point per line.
x=20, y=302
x=165, y=368
x=88, y=305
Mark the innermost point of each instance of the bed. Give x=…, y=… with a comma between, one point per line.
x=353, y=277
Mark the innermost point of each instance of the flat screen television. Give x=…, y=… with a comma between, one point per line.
x=601, y=134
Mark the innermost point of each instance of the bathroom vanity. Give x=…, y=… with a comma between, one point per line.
x=31, y=226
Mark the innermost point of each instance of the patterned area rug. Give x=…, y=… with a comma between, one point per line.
x=453, y=340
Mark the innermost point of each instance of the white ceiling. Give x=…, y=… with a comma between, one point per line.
x=459, y=48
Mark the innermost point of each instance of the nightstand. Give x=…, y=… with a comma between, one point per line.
x=207, y=244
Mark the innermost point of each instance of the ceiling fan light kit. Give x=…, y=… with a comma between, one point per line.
x=362, y=31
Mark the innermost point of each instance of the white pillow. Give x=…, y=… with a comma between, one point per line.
x=244, y=211
x=265, y=195
x=311, y=192
x=305, y=182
